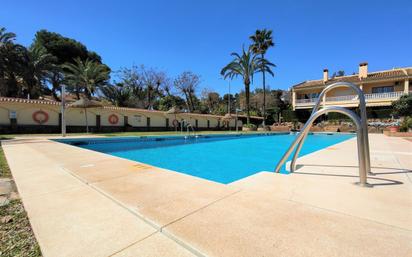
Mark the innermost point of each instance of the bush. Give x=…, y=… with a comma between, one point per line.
x=337, y=116
x=406, y=124
x=299, y=115
x=288, y=115
x=381, y=114
x=403, y=106
x=249, y=125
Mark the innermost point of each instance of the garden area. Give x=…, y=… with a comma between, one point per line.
x=16, y=236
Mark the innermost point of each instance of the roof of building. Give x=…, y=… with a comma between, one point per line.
x=114, y=108
x=28, y=101
x=398, y=73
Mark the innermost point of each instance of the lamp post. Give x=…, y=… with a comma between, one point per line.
x=237, y=128
x=228, y=106
x=63, y=103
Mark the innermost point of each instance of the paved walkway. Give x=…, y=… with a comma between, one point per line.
x=85, y=203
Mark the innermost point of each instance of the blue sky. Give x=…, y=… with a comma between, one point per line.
x=199, y=35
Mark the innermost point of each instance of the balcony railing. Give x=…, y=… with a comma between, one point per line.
x=390, y=95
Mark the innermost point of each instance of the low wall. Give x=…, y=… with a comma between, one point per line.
x=332, y=128
x=280, y=128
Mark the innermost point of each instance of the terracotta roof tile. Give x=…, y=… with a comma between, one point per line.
x=28, y=101
x=380, y=75
x=52, y=102
x=387, y=74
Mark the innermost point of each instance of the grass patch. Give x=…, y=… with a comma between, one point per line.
x=16, y=236
x=4, y=167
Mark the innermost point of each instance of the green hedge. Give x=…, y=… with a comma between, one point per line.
x=297, y=115
x=336, y=116
x=379, y=113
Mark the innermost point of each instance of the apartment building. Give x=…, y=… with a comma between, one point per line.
x=381, y=88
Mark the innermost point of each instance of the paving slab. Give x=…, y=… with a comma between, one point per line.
x=82, y=222
x=162, y=196
x=383, y=204
x=110, y=168
x=155, y=246
x=260, y=224
x=45, y=180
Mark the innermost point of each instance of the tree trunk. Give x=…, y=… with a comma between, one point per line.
x=88, y=93
x=247, y=91
x=55, y=87
x=149, y=97
x=87, y=123
x=192, y=105
x=187, y=101
x=77, y=92
x=264, y=94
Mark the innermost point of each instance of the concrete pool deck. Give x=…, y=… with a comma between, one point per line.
x=85, y=203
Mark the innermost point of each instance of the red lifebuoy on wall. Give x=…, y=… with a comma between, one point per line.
x=40, y=117
x=175, y=123
x=113, y=119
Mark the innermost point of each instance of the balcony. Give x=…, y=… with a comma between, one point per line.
x=353, y=98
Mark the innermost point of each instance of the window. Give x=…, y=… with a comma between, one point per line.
x=314, y=95
x=386, y=89
x=309, y=96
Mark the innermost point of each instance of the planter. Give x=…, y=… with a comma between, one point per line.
x=280, y=128
x=394, y=128
x=266, y=128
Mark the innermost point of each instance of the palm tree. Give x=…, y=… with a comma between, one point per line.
x=245, y=66
x=56, y=78
x=38, y=65
x=86, y=76
x=262, y=41
x=117, y=94
x=6, y=37
x=12, y=61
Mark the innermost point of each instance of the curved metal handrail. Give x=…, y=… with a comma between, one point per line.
x=364, y=122
x=359, y=133
x=189, y=127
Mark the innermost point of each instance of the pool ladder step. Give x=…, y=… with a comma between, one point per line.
x=361, y=131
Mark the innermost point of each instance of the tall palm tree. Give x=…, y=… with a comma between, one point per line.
x=245, y=66
x=86, y=76
x=37, y=66
x=6, y=37
x=12, y=61
x=261, y=41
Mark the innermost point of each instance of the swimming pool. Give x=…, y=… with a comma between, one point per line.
x=220, y=158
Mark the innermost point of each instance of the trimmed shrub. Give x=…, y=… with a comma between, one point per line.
x=297, y=115
x=379, y=113
x=250, y=125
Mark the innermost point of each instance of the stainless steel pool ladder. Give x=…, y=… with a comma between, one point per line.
x=190, y=127
x=361, y=131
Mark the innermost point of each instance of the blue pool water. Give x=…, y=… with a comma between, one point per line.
x=222, y=159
